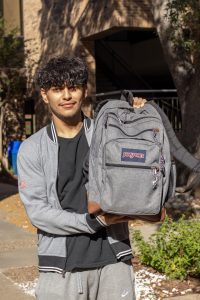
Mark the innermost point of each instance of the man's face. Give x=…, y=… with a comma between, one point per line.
x=64, y=102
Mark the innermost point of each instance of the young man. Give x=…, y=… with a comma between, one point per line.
x=76, y=261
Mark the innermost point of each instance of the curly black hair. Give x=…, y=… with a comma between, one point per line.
x=62, y=70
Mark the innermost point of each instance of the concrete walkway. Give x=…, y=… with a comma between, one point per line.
x=17, y=249
x=9, y=291
x=16, y=246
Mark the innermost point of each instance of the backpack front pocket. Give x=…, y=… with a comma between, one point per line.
x=132, y=182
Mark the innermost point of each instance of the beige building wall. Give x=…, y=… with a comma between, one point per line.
x=32, y=35
x=70, y=27
x=11, y=14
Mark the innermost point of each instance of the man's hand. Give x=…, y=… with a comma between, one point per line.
x=163, y=214
x=110, y=219
x=160, y=217
x=138, y=102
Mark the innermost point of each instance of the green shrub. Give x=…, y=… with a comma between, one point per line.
x=174, y=249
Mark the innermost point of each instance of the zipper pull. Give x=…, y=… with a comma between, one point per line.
x=162, y=163
x=155, y=177
x=155, y=134
x=120, y=121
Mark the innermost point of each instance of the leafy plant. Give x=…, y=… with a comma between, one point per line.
x=174, y=249
x=11, y=48
x=184, y=16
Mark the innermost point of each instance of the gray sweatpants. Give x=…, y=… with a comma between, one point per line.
x=112, y=282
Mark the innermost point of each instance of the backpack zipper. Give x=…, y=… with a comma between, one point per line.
x=155, y=170
x=115, y=117
x=129, y=122
x=131, y=166
x=112, y=125
x=162, y=159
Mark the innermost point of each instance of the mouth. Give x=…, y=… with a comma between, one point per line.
x=67, y=105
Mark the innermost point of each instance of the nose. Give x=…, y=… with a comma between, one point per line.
x=66, y=94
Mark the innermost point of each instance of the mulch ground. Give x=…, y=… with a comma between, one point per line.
x=15, y=213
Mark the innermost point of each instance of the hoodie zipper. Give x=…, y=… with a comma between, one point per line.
x=56, y=186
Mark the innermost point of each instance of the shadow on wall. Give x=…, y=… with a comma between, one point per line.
x=64, y=23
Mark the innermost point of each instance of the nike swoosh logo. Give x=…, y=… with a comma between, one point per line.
x=124, y=294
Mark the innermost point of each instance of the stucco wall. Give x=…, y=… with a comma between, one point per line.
x=11, y=14
x=54, y=27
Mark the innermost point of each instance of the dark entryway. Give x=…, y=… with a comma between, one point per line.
x=131, y=59
x=29, y=113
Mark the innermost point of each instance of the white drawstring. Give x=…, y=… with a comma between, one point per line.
x=79, y=283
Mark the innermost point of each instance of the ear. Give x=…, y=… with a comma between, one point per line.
x=43, y=93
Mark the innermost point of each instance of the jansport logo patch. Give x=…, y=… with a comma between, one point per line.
x=134, y=155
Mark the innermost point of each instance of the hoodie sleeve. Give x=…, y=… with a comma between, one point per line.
x=33, y=193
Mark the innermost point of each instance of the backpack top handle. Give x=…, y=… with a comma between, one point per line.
x=127, y=96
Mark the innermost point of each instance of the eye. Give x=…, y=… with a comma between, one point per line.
x=72, y=88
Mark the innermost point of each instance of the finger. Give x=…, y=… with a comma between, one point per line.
x=163, y=214
x=138, y=102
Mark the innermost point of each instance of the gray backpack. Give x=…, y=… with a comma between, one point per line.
x=130, y=167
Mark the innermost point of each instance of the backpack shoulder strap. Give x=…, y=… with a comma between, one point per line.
x=98, y=107
x=89, y=127
x=176, y=148
x=179, y=151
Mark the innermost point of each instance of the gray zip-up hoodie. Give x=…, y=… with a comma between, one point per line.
x=37, y=164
